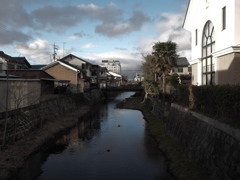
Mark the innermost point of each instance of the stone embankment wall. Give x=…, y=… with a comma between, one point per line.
x=22, y=121
x=204, y=140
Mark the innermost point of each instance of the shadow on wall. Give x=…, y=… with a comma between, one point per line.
x=229, y=69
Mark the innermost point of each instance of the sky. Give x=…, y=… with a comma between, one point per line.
x=123, y=30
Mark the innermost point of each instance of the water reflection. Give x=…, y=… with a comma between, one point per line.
x=108, y=143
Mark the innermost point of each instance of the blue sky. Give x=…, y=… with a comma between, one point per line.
x=95, y=30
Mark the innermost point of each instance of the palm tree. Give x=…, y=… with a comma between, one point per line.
x=165, y=57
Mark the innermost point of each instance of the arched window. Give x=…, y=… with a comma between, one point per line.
x=208, y=47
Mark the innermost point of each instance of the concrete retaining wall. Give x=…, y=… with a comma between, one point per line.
x=206, y=141
x=23, y=121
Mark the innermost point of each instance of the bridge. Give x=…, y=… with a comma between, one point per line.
x=124, y=88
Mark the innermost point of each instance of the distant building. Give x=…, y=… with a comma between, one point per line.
x=112, y=65
x=138, y=78
x=114, y=79
x=183, y=67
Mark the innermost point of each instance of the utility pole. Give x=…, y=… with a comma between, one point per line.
x=63, y=48
x=55, y=47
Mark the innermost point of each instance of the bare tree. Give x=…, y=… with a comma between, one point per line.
x=19, y=94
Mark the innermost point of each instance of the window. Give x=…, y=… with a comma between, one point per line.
x=189, y=68
x=180, y=69
x=11, y=66
x=224, y=18
x=208, y=47
x=83, y=66
x=196, y=37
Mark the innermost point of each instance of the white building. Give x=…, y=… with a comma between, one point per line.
x=112, y=65
x=215, y=29
x=138, y=78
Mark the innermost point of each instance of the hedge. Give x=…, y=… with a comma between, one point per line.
x=219, y=102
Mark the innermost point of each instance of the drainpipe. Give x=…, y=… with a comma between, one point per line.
x=77, y=81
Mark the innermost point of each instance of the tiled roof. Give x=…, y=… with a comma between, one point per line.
x=30, y=73
x=10, y=58
x=182, y=61
x=38, y=66
x=24, y=60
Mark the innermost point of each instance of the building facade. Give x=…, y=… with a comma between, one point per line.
x=112, y=65
x=182, y=67
x=8, y=62
x=215, y=27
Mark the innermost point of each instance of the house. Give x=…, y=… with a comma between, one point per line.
x=98, y=76
x=215, y=27
x=124, y=80
x=72, y=68
x=18, y=93
x=47, y=82
x=25, y=61
x=138, y=78
x=182, y=67
x=113, y=79
x=60, y=70
x=103, y=77
x=9, y=62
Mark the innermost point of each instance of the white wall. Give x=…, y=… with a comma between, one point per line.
x=199, y=12
x=200, y=15
x=237, y=23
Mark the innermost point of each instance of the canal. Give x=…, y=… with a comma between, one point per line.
x=108, y=143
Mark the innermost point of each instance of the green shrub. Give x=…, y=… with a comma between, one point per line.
x=219, y=102
x=183, y=95
x=173, y=80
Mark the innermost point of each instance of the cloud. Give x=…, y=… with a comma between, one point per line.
x=13, y=14
x=89, y=45
x=72, y=37
x=169, y=28
x=38, y=52
x=63, y=17
x=122, y=49
x=80, y=34
x=10, y=36
x=112, y=23
x=114, y=29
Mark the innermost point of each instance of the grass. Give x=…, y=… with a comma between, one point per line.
x=179, y=164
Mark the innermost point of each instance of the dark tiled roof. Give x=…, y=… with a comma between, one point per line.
x=2, y=54
x=7, y=57
x=30, y=74
x=24, y=60
x=182, y=61
x=38, y=66
x=19, y=60
x=71, y=55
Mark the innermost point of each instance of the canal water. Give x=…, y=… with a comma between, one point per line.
x=107, y=144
